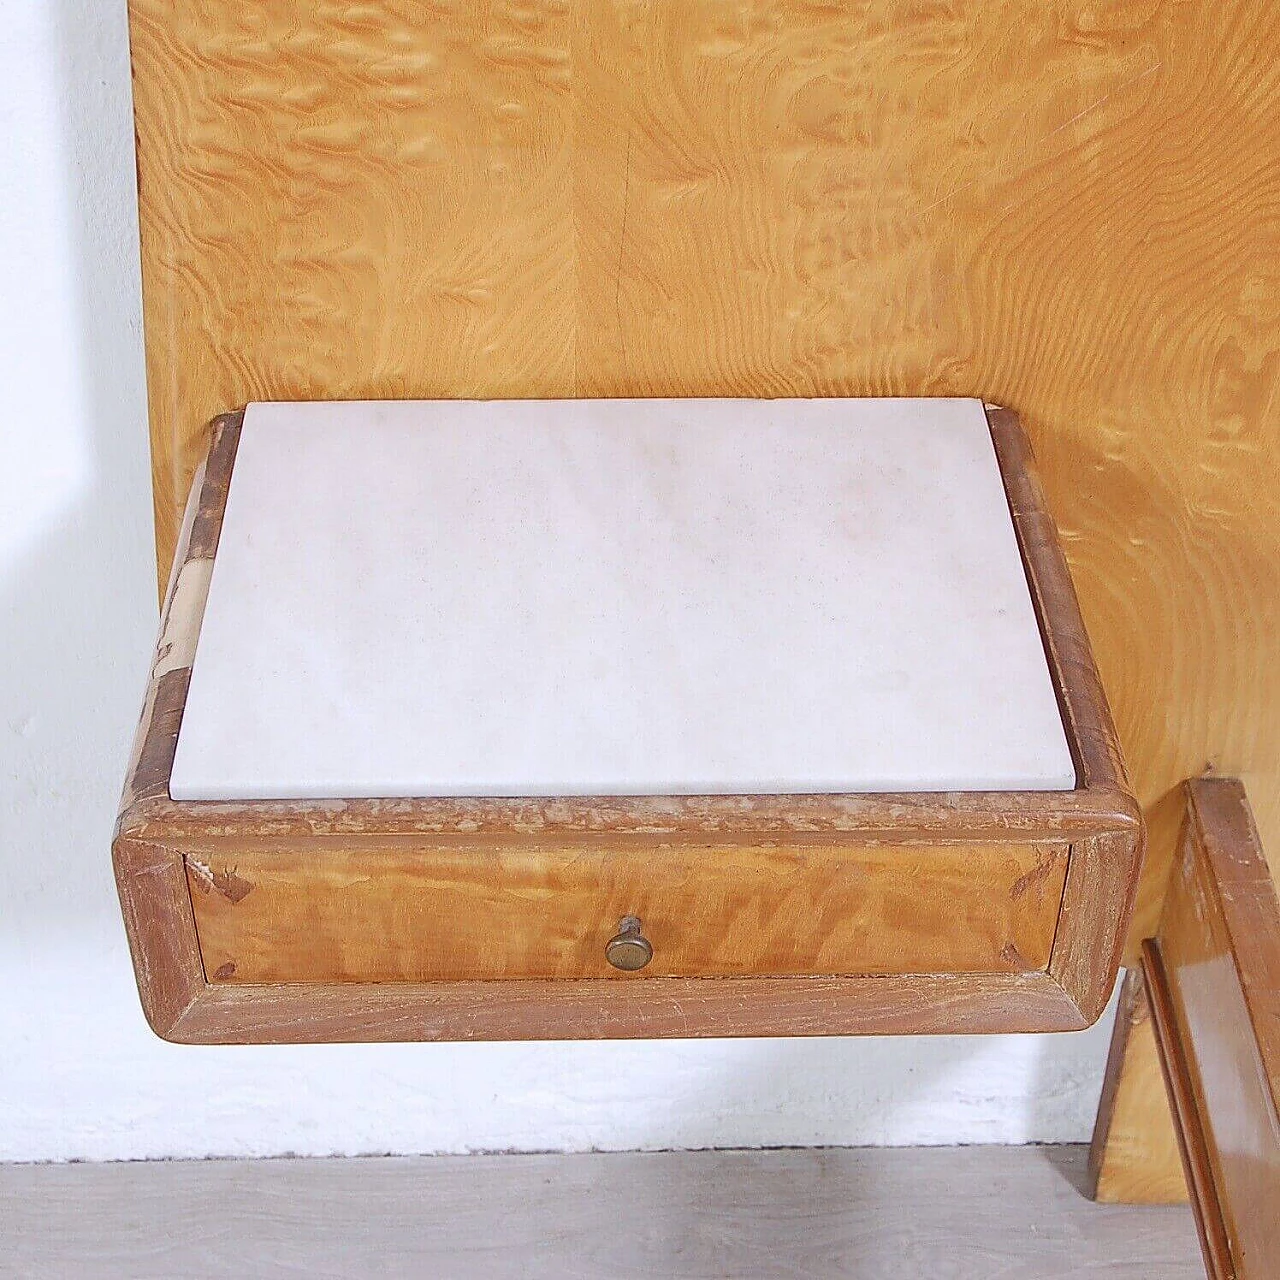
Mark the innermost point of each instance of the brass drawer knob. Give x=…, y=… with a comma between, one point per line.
x=629, y=949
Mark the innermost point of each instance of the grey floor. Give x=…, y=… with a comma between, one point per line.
x=989, y=1212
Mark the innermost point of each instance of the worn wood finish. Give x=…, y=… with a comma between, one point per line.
x=646, y=1008
x=999, y=1213
x=1213, y=976
x=1134, y=1157
x=1102, y=878
x=387, y=910
x=1218, y=950
x=1099, y=821
x=151, y=881
x=1073, y=209
x=1193, y=1140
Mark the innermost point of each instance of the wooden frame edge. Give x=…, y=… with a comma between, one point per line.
x=1100, y=819
x=1189, y=1108
x=152, y=883
x=1224, y=830
x=1103, y=874
x=1213, y=973
x=1103, y=802
x=1193, y=1144
x=1097, y=901
x=150, y=876
x=589, y=1009
x=182, y=1006
x=1082, y=698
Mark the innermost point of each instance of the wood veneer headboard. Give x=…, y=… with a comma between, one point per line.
x=1072, y=208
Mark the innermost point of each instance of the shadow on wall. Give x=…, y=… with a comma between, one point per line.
x=83, y=1077
x=77, y=581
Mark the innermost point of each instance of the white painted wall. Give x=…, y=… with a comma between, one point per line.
x=80, y=1074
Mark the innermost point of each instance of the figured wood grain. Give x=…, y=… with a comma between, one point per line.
x=384, y=911
x=1073, y=209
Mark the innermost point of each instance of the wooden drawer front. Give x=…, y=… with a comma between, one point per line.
x=384, y=913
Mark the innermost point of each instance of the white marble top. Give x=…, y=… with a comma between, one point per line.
x=617, y=597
